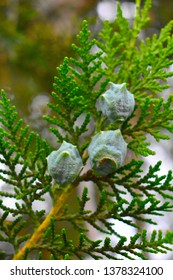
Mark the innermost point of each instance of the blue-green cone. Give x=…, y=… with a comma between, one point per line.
x=65, y=164
x=107, y=152
x=117, y=103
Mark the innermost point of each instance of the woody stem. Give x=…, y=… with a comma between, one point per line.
x=44, y=225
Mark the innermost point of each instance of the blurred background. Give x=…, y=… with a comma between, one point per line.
x=36, y=35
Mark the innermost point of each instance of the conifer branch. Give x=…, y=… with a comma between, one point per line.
x=93, y=138
x=34, y=239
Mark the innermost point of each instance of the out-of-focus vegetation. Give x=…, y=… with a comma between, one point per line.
x=36, y=35
x=162, y=12
x=34, y=38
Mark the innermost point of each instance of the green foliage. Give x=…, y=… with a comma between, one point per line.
x=24, y=169
x=129, y=195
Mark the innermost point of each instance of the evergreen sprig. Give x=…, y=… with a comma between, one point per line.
x=130, y=195
x=23, y=171
x=76, y=89
x=138, y=247
x=155, y=118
